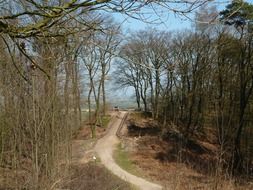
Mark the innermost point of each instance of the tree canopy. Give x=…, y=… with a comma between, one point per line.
x=237, y=13
x=27, y=18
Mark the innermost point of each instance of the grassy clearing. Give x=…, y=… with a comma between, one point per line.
x=122, y=159
x=105, y=120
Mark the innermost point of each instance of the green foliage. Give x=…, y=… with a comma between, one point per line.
x=237, y=13
x=228, y=48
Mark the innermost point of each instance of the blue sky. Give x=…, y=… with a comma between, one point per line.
x=166, y=20
x=170, y=22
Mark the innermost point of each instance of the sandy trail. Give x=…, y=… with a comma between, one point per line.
x=105, y=147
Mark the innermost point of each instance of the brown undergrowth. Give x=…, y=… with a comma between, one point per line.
x=81, y=143
x=84, y=132
x=167, y=159
x=93, y=176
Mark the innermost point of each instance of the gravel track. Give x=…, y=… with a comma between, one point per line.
x=105, y=148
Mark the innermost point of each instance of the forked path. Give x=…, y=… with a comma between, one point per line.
x=105, y=147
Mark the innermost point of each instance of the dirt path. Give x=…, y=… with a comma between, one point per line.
x=105, y=147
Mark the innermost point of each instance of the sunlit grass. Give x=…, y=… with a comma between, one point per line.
x=105, y=120
x=122, y=159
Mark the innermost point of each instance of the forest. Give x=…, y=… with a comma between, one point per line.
x=198, y=79
x=57, y=57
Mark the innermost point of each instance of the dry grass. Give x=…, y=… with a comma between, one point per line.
x=93, y=177
x=176, y=175
x=10, y=180
x=84, y=132
x=21, y=178
x=177, y=167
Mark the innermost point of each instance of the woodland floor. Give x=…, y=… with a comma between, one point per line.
x=159, y=159
x=84, y=172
